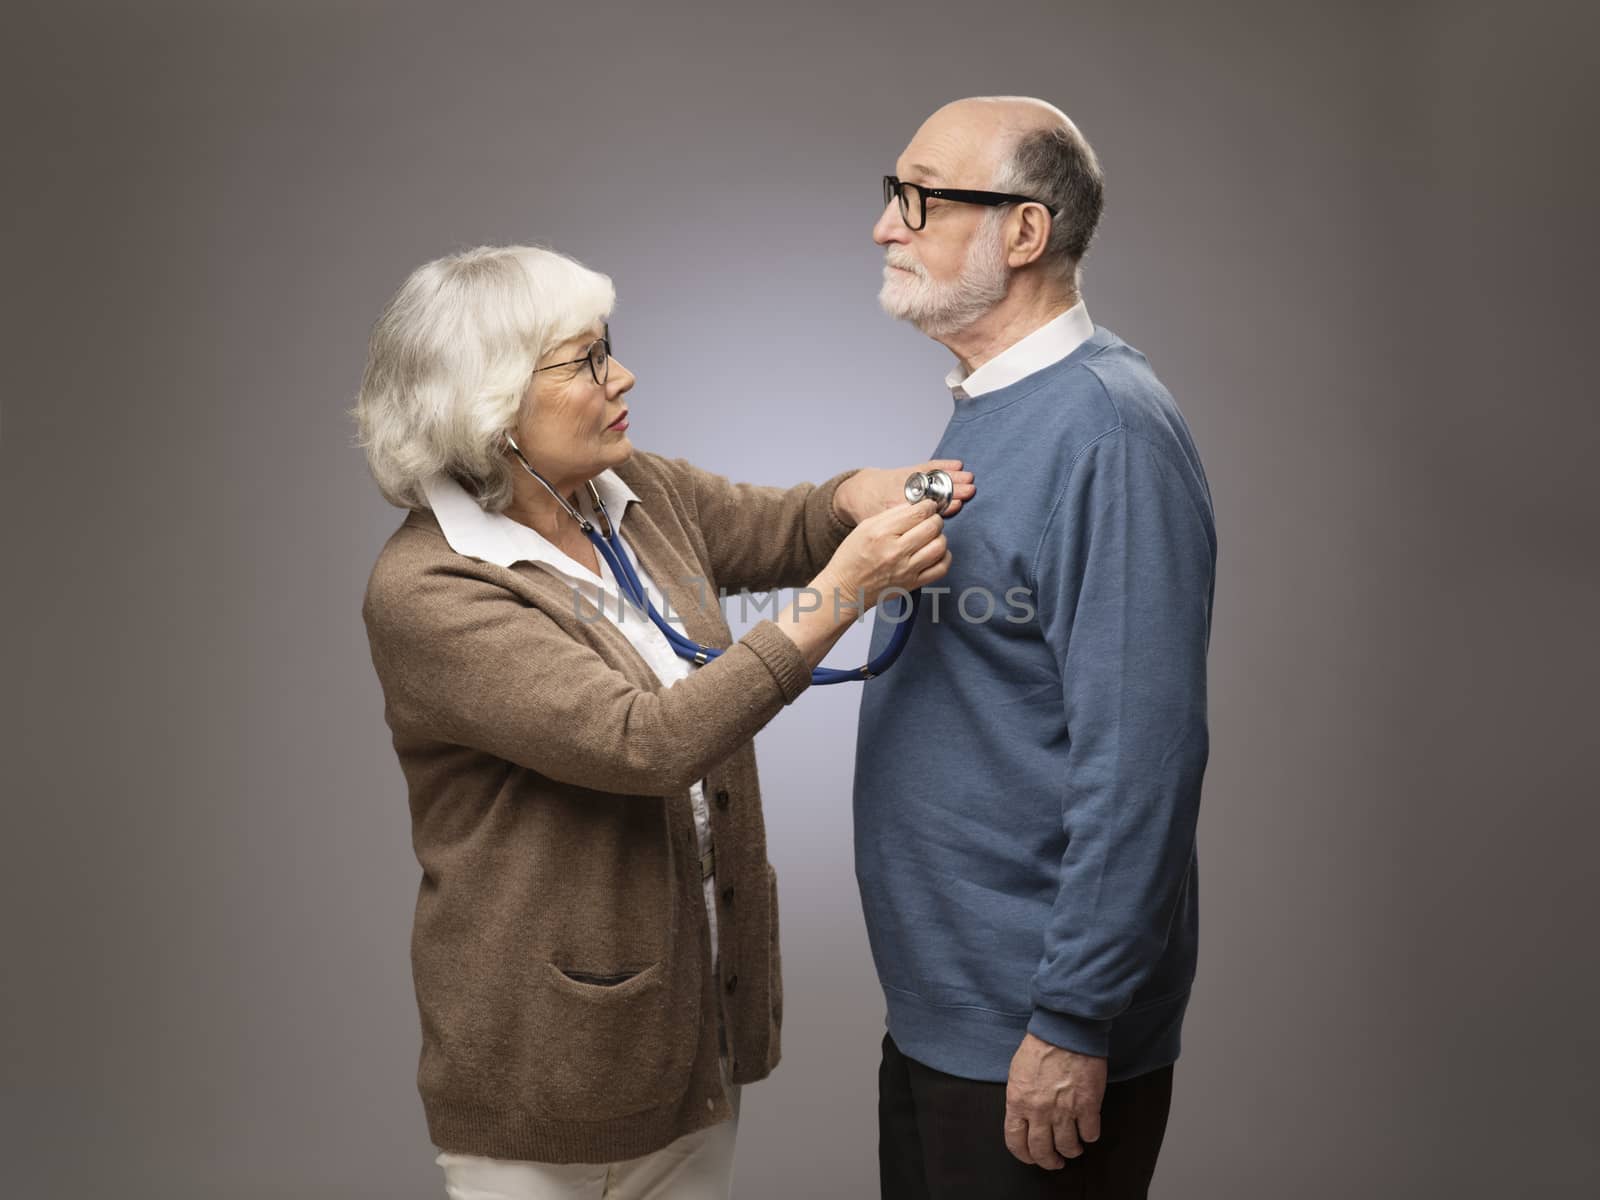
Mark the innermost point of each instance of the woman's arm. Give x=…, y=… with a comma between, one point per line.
x=466, y=661
x=761, y=538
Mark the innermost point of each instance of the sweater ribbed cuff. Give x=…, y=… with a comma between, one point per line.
x=782, y=657
x=1079, y=1034
x=836, y=527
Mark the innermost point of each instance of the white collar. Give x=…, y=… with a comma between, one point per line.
x=496, y=538
x=1048, y=344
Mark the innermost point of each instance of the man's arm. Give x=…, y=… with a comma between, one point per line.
x=1124, y=573
x=1124, y=584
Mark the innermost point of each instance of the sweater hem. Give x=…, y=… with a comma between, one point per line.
x=979, y=1043
x=526, y=1137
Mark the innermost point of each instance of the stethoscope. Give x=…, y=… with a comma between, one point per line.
x=934, y=485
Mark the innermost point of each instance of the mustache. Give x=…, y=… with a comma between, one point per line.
x=896, y=256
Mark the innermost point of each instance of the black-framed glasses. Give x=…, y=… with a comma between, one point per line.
x=914, y=198
x=598, y=356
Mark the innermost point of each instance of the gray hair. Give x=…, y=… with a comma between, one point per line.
x=451, y=358
x=1058, y=166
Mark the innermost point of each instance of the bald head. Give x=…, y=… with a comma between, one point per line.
x=1003, y=114
x=975, y=137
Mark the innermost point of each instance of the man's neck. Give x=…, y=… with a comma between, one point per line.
x=1022, y=311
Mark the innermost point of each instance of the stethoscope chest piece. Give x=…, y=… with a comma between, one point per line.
x=931, y=485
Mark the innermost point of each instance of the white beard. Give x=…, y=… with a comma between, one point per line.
x=939, y=309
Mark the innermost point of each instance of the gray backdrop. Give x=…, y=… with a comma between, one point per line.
x=1356, y=241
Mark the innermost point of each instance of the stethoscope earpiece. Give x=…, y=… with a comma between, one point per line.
x=935, y=485
x=594, y=495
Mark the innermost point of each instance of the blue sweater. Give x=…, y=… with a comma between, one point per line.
x=1027, y=786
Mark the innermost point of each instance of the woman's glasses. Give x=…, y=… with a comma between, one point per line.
x=598, y=356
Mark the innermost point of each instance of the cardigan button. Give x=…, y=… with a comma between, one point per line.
x=733, y=984
x=727, y=895
x=722, y=799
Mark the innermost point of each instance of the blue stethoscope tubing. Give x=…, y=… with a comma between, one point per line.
x=616, y=553
x=622, y=567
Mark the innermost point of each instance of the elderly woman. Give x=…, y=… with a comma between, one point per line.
x=596, y=944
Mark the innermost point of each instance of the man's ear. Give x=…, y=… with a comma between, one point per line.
x=1030, y=234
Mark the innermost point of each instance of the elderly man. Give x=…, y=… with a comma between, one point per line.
x=1028, y=776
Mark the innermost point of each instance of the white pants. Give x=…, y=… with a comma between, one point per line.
x=698, y=1166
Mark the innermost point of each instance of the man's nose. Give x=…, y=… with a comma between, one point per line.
x=890, y=228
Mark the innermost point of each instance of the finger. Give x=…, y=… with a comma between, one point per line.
x=926, y=556
x=1066, y=1138
x=958, y=498
x=923, y=531
x=1089, y=1127
x=1017, y=1138
x=934, y=573
x=903, y=516
x=1042, y=1145
x=941, y=464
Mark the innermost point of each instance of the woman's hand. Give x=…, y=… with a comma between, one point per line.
x=900, y=547
x=872, y=490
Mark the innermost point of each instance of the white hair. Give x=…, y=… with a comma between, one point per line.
x=944, y=308
x=452, y=356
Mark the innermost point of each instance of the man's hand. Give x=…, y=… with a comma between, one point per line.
x=1052, y=1103
x=873, y=489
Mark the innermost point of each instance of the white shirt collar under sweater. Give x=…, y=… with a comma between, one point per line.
x=1048, y=344
x=496, y=538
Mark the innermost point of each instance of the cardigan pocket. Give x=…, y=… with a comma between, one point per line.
x=608, y=979
x=610, y=1049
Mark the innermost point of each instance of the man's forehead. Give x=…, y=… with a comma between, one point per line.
x=942, y=153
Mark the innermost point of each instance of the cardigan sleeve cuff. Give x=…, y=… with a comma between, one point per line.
x=828, y=524
x=782, y=657
x=1078, y=1034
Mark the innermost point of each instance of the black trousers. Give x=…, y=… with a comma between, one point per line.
x=941, y=1137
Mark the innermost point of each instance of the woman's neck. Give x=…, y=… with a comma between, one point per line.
x=536, y=508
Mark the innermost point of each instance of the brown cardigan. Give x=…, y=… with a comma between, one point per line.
x=548, y=773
